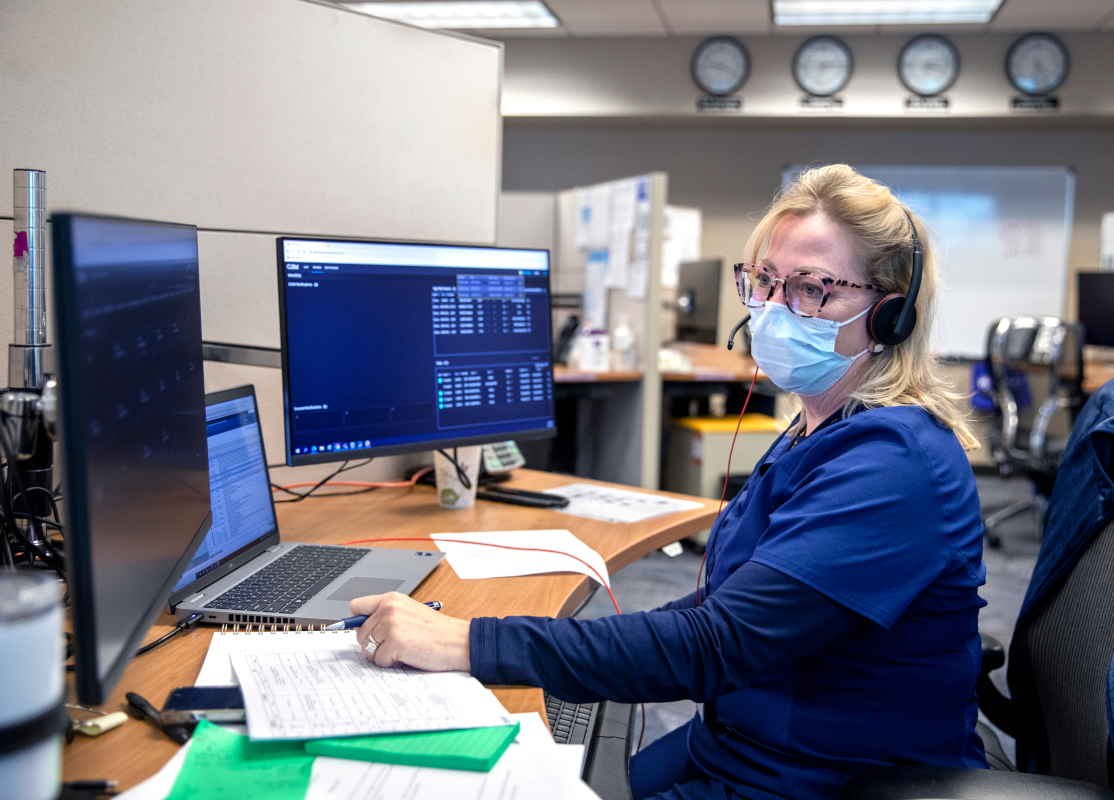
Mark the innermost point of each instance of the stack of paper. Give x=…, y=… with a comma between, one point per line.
x=533, y=766
x=617, y=505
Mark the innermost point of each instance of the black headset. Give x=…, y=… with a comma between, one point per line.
x=891, y=319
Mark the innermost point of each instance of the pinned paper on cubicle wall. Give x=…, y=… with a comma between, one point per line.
x=595, y=289
x=1106, y=250
x=640, y=261
x=624, y=198
x=593, y=217
x=680, y=243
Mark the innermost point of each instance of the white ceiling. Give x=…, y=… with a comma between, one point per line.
x=705, y=17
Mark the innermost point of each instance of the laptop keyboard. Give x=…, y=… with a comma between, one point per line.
x=290, y=581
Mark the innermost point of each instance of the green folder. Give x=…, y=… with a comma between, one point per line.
x=475, y=748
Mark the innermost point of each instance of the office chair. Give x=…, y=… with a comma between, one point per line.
x=1014, y=345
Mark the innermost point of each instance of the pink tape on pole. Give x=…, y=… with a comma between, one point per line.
x=21, y=247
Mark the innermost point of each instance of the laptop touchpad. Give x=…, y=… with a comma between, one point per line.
x=360, y=587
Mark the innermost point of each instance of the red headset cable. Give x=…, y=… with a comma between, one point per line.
x=727, y=476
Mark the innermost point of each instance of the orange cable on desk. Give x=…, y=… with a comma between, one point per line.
x=363, y=484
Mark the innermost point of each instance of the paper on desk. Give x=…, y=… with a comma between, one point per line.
x=325, y=782
x=217, y=669
x=617, y=505
x=478, y=561
x=320, y=694
x=522, y=772
x=227, y=765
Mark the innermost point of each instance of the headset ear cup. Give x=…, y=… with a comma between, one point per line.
x=883, y=318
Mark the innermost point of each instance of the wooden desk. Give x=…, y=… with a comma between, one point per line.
x=136, y=750
x=1095, y=374
x=563, y=374
x=712, y=363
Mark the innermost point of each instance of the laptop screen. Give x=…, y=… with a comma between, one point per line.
x=240, y=488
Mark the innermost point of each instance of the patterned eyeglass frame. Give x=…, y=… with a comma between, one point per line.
x=829, y=284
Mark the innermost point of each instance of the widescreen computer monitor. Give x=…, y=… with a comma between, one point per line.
x=1096, y=307
x=131, y=403
x=399, y=348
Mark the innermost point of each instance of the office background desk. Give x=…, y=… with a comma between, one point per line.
x=137, y=750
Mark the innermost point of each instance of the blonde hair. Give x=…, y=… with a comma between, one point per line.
x=904, y=374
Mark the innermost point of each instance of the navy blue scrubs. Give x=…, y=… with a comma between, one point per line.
x=839, y=632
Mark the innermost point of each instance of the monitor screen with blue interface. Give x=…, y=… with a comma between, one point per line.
x=399, y=348
x=243, y=515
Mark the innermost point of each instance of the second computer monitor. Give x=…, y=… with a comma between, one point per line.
x=397, y=348
x=1096, y=307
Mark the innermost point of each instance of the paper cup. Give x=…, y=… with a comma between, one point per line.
x=451, y=493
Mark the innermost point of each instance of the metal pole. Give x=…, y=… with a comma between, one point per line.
x=27, y=353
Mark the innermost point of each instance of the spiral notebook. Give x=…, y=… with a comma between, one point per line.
x=217, y=669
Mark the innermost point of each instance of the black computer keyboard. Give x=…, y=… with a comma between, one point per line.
x=570, y=722
x=290, y=581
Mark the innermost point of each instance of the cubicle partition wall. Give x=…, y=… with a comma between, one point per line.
x=617, y=431
x=251, y=120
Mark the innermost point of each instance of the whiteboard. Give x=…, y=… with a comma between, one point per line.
x=1001, y=236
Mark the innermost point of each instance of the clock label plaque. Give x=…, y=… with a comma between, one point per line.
x=815, y=103
x=1040, y=103
x=927, y=104
x=711, y=102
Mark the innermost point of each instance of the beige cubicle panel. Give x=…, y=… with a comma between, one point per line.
x=251, y=119
x=626, y=427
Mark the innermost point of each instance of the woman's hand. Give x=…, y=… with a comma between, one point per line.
x=405, y=631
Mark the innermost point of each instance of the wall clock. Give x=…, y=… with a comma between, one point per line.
x=720, y=65
x=823, y=65
x=1037, y=63
x=928, y=65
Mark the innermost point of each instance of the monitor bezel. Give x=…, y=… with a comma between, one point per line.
x=261, y=544
x=92, y=688
x=1086, y=295
x=304, y=459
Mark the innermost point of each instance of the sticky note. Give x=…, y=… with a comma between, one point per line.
x=228, y=766
x=476, y=748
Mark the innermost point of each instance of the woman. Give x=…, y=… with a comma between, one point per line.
x=838, y=627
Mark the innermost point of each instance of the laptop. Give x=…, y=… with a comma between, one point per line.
x=243, y=573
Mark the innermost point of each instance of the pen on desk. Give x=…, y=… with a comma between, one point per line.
x=355, y=622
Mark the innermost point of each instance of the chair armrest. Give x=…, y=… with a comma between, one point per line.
x=945, y=783
x=993, y=654
x=998, y=708
x=607, y=760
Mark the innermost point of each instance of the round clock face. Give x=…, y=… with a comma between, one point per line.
x=1037, y=63
x=928, y=65
x=822, y=65
x=720, y=65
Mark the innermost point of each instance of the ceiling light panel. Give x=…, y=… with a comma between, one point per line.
x=460, y=14
x=883, y=12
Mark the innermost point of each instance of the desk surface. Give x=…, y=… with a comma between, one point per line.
x=709, y=363
x=713, y=363
x=1095, y=374
x=136, y=750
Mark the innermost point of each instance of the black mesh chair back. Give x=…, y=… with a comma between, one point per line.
x=1059, y=662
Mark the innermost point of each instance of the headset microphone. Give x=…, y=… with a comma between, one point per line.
x=891, y=319
x=731, y=336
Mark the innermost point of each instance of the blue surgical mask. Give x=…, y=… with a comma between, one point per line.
x=798, y=353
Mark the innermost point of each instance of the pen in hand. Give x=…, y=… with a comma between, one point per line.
x=355, y=622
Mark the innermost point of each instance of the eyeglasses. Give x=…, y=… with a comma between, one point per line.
x=805, y=293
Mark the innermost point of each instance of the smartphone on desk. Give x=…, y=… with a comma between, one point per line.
x=188, y=705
